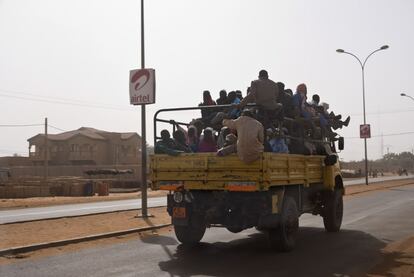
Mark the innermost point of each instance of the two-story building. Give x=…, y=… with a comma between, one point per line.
x=86, y=146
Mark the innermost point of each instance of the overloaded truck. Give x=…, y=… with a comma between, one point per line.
x=270, y=194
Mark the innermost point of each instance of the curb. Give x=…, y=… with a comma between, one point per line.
x=32, y=247
x=378, y=188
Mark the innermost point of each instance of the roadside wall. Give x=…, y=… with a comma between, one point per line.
x=19, y=172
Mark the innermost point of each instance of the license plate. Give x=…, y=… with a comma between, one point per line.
x=178, y=212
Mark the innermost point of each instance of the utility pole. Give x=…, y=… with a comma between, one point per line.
x=46, y=162
x=144, y=207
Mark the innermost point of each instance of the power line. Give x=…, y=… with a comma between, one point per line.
x=20, y=125
x=385, y=135
x=66, y=103
x=56, y=128
x=384, y=112
x=47, y=96
x=31, y=125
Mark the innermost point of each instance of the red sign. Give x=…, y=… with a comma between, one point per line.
x=365, y=131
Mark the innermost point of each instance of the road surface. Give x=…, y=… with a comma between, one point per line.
x=19, y=215
x=370, y=222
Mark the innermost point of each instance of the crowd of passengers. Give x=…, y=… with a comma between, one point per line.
x=275, y=121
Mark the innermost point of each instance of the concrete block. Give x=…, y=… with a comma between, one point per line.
x=66, y=188
x=32, y=191
x=44, y=191
x=19, y=192
x=76, y=190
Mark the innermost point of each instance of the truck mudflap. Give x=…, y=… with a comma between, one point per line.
x=179, y=212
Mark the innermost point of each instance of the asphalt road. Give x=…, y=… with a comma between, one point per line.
x=370, y=222
x=19, y=215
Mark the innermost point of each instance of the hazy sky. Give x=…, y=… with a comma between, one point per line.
x=79, y=53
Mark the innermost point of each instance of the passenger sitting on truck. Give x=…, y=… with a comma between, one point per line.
x=285, y=98
x=229, y=147
x=207, y=114
x=277, y=141
x=166, y=145
x=231, y=113
x=250, y=136
x=239, y=94
x=222, y=100
x=334, y=120
x=222, y=136
x=180, y=141
x=299, y=100
x=192, y=138
x=207, y=143
x=198, y=123
x=233, y=99
x=315, y=100
x=264, y=92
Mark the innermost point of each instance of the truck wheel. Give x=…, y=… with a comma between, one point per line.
x=283, y=237
x=333, y=211
x=189, y=235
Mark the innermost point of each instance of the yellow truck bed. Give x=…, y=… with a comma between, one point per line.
x=206, y=171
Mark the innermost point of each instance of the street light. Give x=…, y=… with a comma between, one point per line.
x=403, y=94
x=363, y=96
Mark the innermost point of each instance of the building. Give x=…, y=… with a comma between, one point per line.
x=86, y=146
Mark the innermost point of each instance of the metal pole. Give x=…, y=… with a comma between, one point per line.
x=365, y=122
x=384, y=47
x=46, y=153
x=144, y=207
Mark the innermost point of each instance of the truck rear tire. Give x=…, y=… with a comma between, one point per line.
x=189, y=235
x=283, y=237
x=333, y=211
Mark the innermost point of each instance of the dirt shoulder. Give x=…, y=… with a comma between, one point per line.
x=357, y=189
x=7, y=204
x=398, y=259
x=22, y=234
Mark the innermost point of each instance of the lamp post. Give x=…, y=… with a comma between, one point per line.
x=403, y=94
x=362, y=64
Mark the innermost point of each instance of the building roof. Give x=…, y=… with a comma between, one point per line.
x=87, y=132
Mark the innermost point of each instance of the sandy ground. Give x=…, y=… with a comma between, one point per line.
x=19, y=234
x=6, y=204
x=398, y=259
x=357, y=189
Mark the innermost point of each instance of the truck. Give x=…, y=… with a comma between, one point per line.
x=270, y=194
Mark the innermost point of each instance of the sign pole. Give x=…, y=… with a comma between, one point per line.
x=144, y=207
x=46, y=154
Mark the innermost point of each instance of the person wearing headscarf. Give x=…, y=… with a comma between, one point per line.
x=223, y=98
x=207, y=114
x=207, y=142
x=192, y=138
x=167, y=145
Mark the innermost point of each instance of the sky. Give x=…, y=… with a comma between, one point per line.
x=69, y=61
